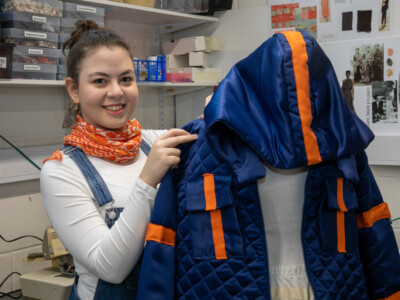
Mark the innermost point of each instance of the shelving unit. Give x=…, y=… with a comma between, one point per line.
x=14, y=168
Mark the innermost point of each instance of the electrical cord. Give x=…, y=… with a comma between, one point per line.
x=9, y=294
x=21, y=237
x=20, y=152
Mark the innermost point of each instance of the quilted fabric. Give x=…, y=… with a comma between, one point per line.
x=241, y=278
x=281, y=105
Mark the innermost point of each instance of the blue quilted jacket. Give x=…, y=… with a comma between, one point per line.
x=281, y=105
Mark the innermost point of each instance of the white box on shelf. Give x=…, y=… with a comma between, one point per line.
x=200, y=74
x=213, y=43
x=185, y=45
x=199, y=59
x=177, y=61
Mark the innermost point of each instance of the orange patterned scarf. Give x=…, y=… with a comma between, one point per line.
x=118, y=146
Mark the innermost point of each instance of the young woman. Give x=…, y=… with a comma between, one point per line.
x=99, y=190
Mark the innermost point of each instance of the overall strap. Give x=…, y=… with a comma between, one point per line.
x=99, y=188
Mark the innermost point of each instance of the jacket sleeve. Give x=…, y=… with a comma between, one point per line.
x=158, y=265
x=377, y=243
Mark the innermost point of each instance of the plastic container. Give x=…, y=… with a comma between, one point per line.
x=62, y=38
x=81, y=12
x=68, y=25
x=29, y=38
x=6, y=53
x=32, y=71
x=150, y=70
x=62, y=58
x=29, y=21
x=41, y=7
x=179, y=77
x=34, y=55
x=61, y=72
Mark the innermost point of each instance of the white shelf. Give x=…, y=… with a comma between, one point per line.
x=145, y=15
x=60, y=83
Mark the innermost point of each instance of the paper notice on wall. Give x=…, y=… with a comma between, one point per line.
x=328, y=20
x=368, y=72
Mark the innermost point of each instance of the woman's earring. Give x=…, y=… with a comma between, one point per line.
x=76, y=107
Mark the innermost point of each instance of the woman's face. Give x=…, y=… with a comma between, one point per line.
x=107, y=91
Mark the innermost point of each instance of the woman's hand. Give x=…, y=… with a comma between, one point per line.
x=164, y=155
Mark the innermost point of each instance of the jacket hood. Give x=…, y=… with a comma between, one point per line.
x=285, y=103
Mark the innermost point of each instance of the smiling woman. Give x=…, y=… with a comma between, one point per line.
x=99, y=189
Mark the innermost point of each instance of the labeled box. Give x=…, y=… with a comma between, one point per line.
x=34, y=71
x=6, y=53
x=21, y=20
x=35, y=55
x=185, y=45
x=29, y=38
x=81, y=12
x=41, y=7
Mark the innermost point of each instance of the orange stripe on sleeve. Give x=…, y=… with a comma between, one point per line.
x=160, y=234
x=215, y=216
x=340, y=220
x=376, y=213
x=301, y=75
x=395, y=296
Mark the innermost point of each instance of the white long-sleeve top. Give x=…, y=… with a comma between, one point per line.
x=99, y=252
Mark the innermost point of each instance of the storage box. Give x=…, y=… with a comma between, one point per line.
x=61, y=72
x=185, y=45
x=62, y=38
x=213, y=43
x=199, y=59
x=150, y=70
x=177, y=61
x=34, y=71
x=200, y=74
x=29, y=38
x=147, y=3
x=42, y=7
x=21, y=20
x=81, y=12
x=68, y=24
x=6, y=53
x=179, y=77
x=35, y=55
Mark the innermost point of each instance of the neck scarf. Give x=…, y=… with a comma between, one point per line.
x=116, y=145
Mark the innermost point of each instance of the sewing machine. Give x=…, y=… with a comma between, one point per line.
x=52, y=283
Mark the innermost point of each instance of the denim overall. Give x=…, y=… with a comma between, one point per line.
x=105, y=290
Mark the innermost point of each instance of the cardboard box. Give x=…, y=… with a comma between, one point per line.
x=185, y=45
x=199, y=59
x=147, y=3
x=177, y=61
x=213, y=43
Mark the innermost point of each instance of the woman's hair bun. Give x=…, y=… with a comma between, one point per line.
x=85, y=25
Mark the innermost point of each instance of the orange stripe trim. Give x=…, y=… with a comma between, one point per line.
x=395, y=296
x=215, y=216
x=340, y=220
x=301, y=75
x=160, y=234
x=218, y=234
x=376, y=213
x=209, y=192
